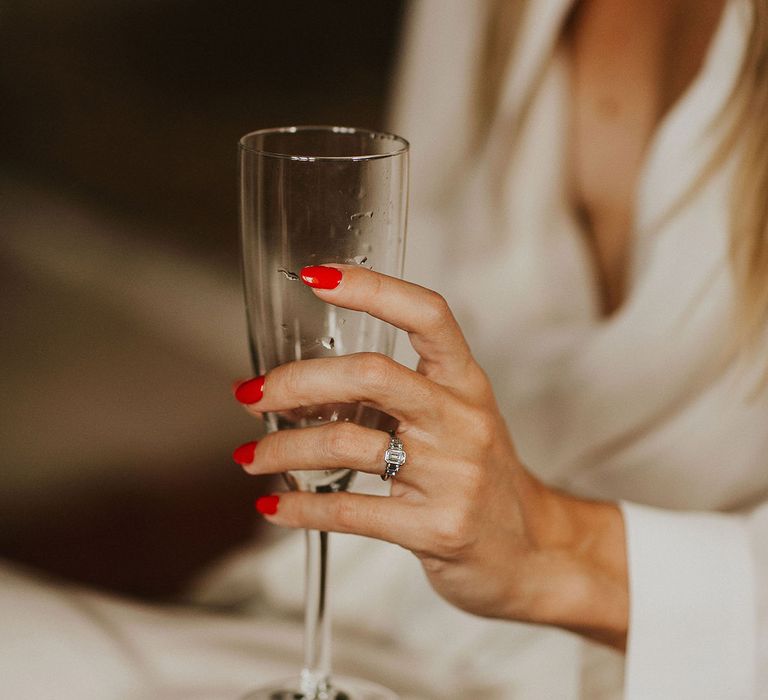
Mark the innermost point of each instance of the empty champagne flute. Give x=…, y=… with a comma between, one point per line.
x=311, y=195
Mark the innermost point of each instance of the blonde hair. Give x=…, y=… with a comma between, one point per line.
x=749, y=198
x=747, y=118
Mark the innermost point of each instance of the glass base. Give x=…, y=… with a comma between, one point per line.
x=343, y=689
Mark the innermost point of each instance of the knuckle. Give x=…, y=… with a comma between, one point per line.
x=377, y=285
x=344, y=513
x=470, y=477
x=266, y=451
x=273, y=449
x=291, y=511
x=375, y=371
x=288, y=377
x=477, y=377
x=434, y=566
x=341, y=441
x=437, y=310
x=453, y=533
x=483, y=429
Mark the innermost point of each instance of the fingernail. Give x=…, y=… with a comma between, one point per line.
x=250, y=391
x=267, y=505
x=321, y=277
x=244, y=454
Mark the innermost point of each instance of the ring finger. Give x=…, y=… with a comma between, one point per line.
x=334, y=446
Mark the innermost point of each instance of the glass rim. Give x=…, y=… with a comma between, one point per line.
x=403, y=145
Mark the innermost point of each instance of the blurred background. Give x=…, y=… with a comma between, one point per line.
x=122, y=323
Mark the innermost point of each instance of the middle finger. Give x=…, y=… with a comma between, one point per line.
x=367, y=377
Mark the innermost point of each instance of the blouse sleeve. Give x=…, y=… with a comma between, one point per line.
x=698, y=591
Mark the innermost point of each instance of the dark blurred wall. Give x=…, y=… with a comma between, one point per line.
x=119, y=121
x=138, y=104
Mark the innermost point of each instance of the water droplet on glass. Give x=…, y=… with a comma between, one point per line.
x=327, y=342
x=342, y=322
x=289, y=275
x=362, y=215
x=357, y=260
x=334, y=416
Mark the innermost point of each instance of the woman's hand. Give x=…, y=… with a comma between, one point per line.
x=492, y=539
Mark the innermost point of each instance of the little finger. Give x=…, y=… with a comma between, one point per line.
x=384, y=518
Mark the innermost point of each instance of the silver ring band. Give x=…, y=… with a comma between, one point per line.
x=394, y=458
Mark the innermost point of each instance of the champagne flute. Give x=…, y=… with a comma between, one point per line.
x=311, y=195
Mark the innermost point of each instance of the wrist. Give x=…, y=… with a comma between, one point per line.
x=577, y=578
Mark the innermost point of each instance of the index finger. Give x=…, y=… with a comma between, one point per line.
x=422, y=313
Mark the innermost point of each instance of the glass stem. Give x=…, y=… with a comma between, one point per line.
x=316, y=674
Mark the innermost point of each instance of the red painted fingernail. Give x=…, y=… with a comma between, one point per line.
x=321, y=277
x=244, y=454
x=267, y=505
x=250, y=391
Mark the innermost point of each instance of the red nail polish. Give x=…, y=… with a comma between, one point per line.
x=267, y=505
x=321, y=277
x=244, y=454
x=250, y=391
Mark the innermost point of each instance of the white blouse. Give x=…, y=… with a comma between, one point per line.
x=639, y=407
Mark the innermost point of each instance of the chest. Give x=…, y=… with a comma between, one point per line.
x=629, y=63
